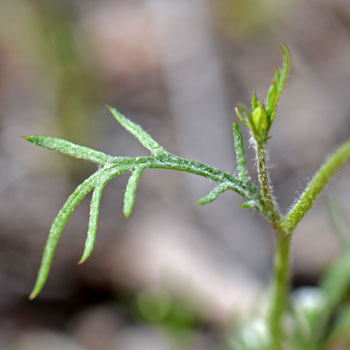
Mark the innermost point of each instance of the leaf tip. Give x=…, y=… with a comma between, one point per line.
x=284, y=48
x=236, y=127
x=86, y=254
x=127, y=213
x=113, y=111
x=31, y=139
x=32, y=295
x=286, y=56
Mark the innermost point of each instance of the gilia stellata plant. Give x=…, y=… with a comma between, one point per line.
x=258, y=120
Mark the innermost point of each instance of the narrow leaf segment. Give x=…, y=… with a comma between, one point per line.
x=240, y=153
x=93, y=221
x=144, y=138
x=106, y=176
x=130, y=192
x=215, y=193
x=71, y=149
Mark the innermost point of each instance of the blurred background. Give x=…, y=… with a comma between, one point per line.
x=175, y=275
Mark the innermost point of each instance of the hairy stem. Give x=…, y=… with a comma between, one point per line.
x=327, y=171
x=246, y=189
x=281, y=263
x=285, y=229
x=266, y=187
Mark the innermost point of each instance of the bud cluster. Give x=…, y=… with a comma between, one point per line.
x=262, y=115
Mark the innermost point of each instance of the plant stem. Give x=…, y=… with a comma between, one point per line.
x=280, y=289
x=281, y=263
x=266, y=187
x=327, y=171
x=285, y=229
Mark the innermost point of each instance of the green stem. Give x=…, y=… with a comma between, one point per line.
x=244, y=188
x=266, y=187
x=280, y=289
x=285, y=229
x=281, y=263
x=327, y=171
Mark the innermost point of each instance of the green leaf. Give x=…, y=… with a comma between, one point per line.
x=93, y=221
x=254, y=101
x=103, y=179
x=271, y=97
x=130, y=192
x=247, y=120
x=244, y=115
x=141, y=135
x=261, y=121
x=114, y=166
x=240, y=153
x=277, y=74
x=71, y=149
x=215, y=193
x=249, y=204
x=282, y=79
x=272, y=94
x=277, y=85
x=240, y=117
x=57, y=227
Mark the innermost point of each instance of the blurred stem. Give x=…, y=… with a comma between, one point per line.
x=280, y=288
x=286, y=227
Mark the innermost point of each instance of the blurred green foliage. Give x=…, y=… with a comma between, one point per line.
x=242, y=18
x=44, y=35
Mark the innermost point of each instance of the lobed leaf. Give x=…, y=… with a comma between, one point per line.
x=71, y=149
x=141, y=135
x=113, y=166
x=130, y=192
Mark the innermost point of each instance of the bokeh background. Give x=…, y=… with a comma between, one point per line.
x=175, y=275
